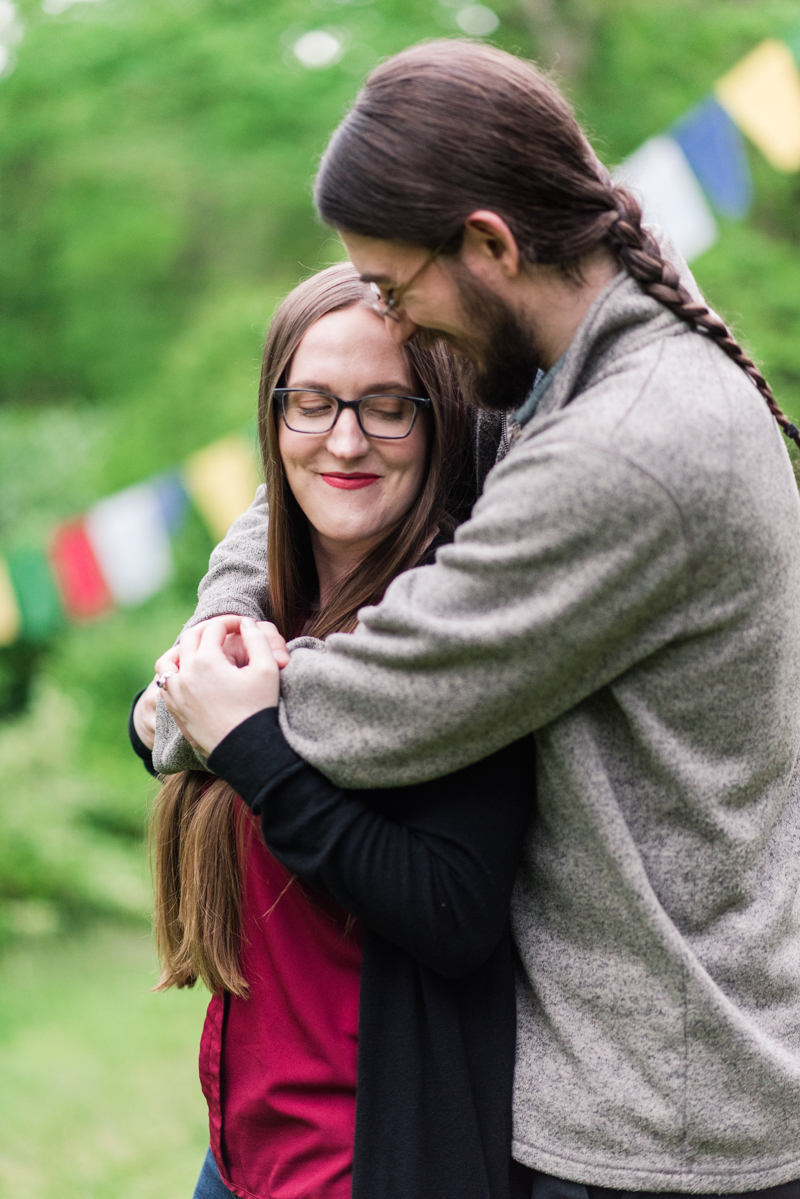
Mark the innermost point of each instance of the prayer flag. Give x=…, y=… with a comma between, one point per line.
x=36, y=594
x=762, y=95
x=130, y=541
x=222, y=480
x=83, y=589
x=173, y=499
x=10, y=615
x=716, y=152
x=659, y=174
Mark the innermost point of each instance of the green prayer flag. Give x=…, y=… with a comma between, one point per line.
x=33, y=583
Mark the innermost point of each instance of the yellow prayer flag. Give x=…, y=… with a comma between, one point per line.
x=10, y=616
x=222, y=479
x=762, y=95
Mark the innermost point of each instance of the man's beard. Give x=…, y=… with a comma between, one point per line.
x=496, y=363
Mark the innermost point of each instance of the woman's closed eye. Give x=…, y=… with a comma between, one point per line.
x=312, y=405
x=390, y=409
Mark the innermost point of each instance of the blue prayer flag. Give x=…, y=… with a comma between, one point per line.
x=716, y=152
x=173, y=499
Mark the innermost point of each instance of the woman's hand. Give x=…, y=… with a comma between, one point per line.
x=209, y=694
x=144, y=715
x=233, y=647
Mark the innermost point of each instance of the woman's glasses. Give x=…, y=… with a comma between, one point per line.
x=305, y=410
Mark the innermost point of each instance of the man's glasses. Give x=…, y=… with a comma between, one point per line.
x=389, y=305
x=305, y=410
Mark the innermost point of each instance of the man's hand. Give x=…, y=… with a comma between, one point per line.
x=209, y=695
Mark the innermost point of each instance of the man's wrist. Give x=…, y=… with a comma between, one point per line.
x=255, y=756
x=221, y=729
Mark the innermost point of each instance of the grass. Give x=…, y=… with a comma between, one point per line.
x=100, y=1096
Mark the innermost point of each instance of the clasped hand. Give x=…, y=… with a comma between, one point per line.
x=228, y=668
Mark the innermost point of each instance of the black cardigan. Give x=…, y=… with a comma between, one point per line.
x=429, y=870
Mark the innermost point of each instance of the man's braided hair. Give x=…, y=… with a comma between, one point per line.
x=449, y=127
x=638, y=252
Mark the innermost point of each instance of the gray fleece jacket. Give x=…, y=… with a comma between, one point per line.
x=627, y=589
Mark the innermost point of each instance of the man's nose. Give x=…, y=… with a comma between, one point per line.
x=345, y=439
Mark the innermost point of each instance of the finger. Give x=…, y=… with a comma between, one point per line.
x=167, y=664
x=175, y=711
x=149, y=698
x=257, y=645
x=193, y=639
x=168, y=660
x=214, y=631
x=277, y=642
x=190, y=640
x=169, y=683
x=233, y=649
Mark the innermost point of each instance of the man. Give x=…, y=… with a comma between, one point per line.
x=626, y=589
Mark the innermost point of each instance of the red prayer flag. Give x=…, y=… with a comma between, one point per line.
x=80, y=580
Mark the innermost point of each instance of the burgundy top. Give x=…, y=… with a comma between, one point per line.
x=279, y=1069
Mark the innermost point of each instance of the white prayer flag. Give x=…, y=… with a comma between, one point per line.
x=661, y=178
x=131, y=543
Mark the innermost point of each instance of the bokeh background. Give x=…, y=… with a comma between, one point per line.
x=155, y=166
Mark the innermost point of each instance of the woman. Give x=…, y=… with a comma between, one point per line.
x=363, y=449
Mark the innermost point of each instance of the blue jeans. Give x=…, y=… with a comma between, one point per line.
x=209, y=1184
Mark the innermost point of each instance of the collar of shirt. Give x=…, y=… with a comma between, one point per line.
x=541, y=384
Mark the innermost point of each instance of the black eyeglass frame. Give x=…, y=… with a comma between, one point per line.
x=281, y=393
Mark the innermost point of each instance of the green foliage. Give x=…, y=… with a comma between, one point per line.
x=166, y=150
x=51, y=854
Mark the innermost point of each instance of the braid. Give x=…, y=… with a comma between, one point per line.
x=638, y=252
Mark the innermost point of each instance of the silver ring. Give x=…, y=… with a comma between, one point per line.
x=161, y=679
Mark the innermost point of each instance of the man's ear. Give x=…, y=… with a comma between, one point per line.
x=488, y=237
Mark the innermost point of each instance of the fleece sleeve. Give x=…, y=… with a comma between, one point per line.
x=236, y=582
x=571, y=569
x=431, y=868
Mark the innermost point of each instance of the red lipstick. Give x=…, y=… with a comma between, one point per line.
x=349, y=482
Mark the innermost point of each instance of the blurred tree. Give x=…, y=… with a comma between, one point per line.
x=147, y=152
x=562, y=33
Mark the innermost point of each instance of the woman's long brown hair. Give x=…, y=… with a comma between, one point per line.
x=441, y=503
x=199, y=833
